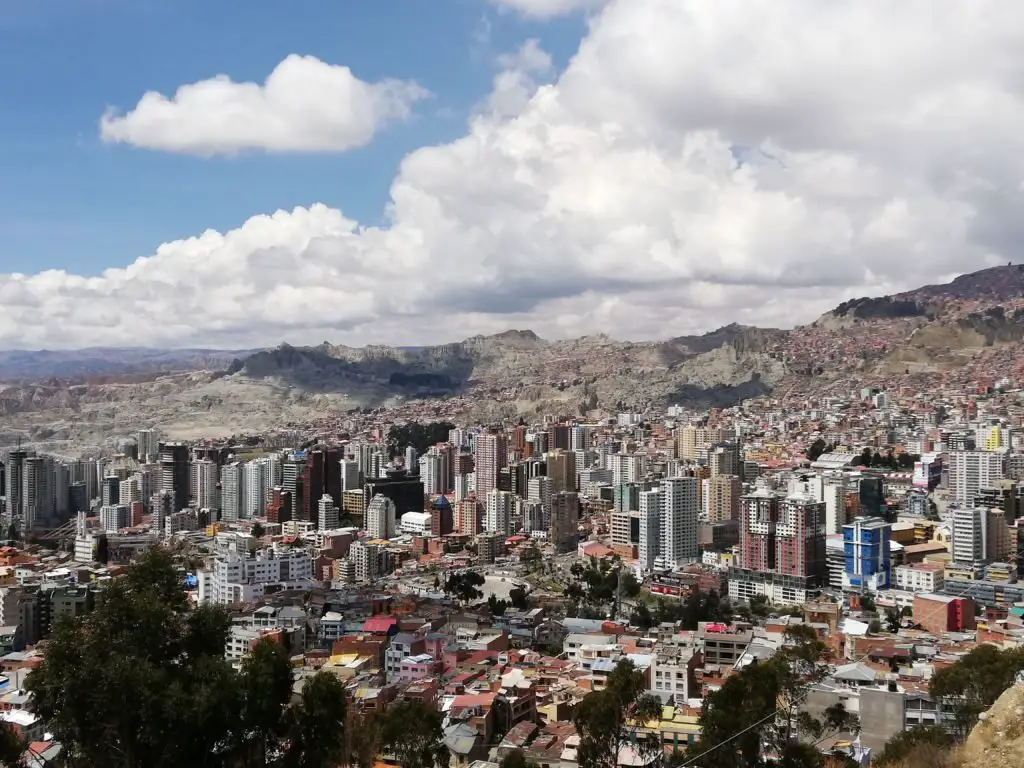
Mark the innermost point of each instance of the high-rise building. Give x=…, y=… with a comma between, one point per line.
x=490, y=458
x=467, y=517
x=232, y=492
x=558, y=437
x=256, y=487
x=980, y=536
x=163, y=508
x=499, y=510
x=329, y=516
x=679, y=531
x=115, y=517
x=724, y=492
x=442, y=519
x=367, y=559
x=868, y=564
x=565, y=513
x=433, y=474
x=579, y=438
x=782, y=547
x=349, y=475
x=148, y=442
x=970, y=471
x=649, y=544
x=411, y=458
x=207, y=476
x=37, y=492
x=626, y=467
x=561, y=468
x=380, y=517
x=724, y=459
x=15, y=470
x=174, y=472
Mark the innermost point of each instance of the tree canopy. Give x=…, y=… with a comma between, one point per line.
x=606, y=720
x=973, y=684
x=465, y=586
x=142, y=681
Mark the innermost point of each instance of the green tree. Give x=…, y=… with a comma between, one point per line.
x=606, y=720
x=464, y=586
x=258, y=530
x=973, y=684
x=815, y=449
x=497, y=607
x=517, y=759
x=411, y=731
x=362, y=738
x=12, y=747
x=921, y=747
x=892, y=621
x=520, y=598
x=142, y=681
x=315, y=725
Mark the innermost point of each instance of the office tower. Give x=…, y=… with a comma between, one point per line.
x=467, y=516
x=174, y=472
x=649, y=545
x=232, y=492
x=500, y=506
x=380, y=517
x=115, y=517
x=432, y=474
x=256, y=485
x=442, y=518
x=61, y=490
x=724, y=492
x=565, y=513
x=993, y=437
x=78, y=499
x=163, y=508
x=329, y=516
x=759, y=513
x=626, y=467
x=37, y=492
x=679, y=535
x=207, y=475
x=491, y=456
x=536, y=517
x=445, y=454
x=561, y=468
x=537, y=443
x=405, y=490
x=724, y=459
x=463, y=486
x=970, y=471
x=540, y=490
x=980, y=536
x=279, y=505
x=579, y=438
x=371, y=460
x=129, y=491
x=411, y=458
x=15, y=467
x=868, y=564
x=871, y=495
x=148, y=445
x=558, y=437
x=349, y=469
x=626, y=497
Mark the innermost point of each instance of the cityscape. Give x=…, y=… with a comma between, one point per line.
x=511, y=384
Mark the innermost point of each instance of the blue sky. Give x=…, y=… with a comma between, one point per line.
x=70, y=201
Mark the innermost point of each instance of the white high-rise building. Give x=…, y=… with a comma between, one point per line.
x=626, y=467
x=499, y=511
x=432, y=474
x=970, y=471
x=350, y=475
x=380, y=517
x=579, y=438
x=114, y=517
x=540, y=489
x=411, y=458
x=148, y=441
x=37, y=491
x=649, y=547
x=236, y=576
x=256, y=482
x=232, y=492
x=207, y=475
x=679, y=534
x=129, y=491
x=367, y=559
x=329, y=516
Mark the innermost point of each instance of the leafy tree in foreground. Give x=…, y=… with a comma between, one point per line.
x=465, y=586
x=411, y=731
x=606, y=720
x=12, y=747
x=973, y=684
x=926, y=746
x=142, y=681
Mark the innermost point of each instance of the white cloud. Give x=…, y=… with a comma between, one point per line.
x=305, y=105
x=546, y=9
x=696, y=163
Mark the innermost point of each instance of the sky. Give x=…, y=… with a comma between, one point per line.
x=191, y=173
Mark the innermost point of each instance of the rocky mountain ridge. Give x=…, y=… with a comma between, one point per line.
x=951, y=330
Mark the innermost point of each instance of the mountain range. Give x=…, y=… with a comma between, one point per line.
x=75, y=400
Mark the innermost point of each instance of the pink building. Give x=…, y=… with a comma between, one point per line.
x=417, y=668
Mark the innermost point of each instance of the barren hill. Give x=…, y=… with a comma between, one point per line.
x=81, y=399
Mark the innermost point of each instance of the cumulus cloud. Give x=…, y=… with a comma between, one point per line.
x=305, y=105
x=696, y=163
